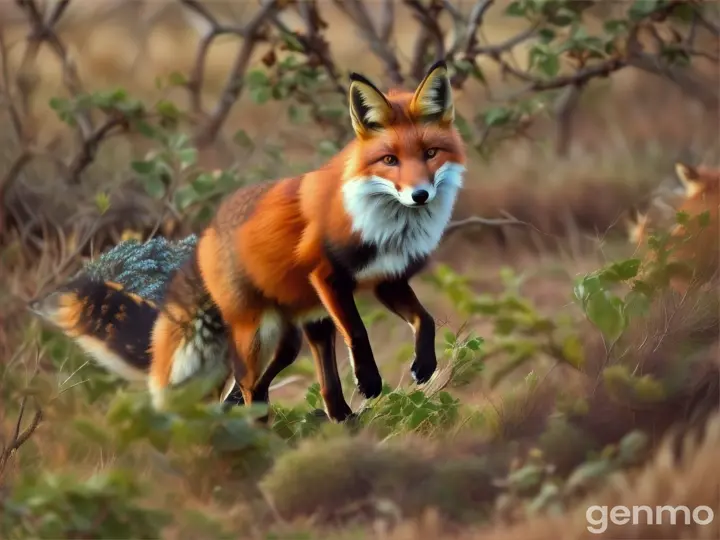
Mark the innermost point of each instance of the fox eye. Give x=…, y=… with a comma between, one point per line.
x=430, y=153
x=390, y=160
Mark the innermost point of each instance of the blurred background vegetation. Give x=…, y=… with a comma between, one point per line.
x=134, y=118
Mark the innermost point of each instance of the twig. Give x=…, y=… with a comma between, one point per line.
x=195, y=82
x=356, y=10
x=19, y=438
x=467, y=40
x=428, y=18
x=235, y=81
x=711, y=26
x=476, y=220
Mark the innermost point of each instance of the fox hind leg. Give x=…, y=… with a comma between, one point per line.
x=321, y=338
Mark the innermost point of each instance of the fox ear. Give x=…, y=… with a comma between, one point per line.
x=635, y=221
x=369, y=108
x=433, y=100
x=689, y=178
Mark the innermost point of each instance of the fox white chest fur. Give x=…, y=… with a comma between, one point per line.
x=400, y=233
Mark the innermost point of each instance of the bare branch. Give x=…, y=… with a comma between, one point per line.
x=387, y=20
x=19, y=437
x=498, y=48
x=580, y=77
x=476, y=220
x=468, y=39
x=235, y=81
x=355, y=9
x=709, y=25
x=428, y=18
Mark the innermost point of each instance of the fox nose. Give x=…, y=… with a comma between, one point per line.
x=420, y=196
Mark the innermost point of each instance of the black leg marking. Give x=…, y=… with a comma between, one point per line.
x=286, y=353
x=336, y=294
x=399, y=298
x=321, y=338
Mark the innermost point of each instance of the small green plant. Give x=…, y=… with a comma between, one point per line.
x=520, y=332
x=106, y=505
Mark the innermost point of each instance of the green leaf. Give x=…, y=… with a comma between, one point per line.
x=296, y=114
x=257, y=79
x=621, y=271
x=154, y=186
x=587, y=475
x=474, y=344
x=143, y=167
x=312, y=397
x=642, y=8
x=606, y=312
x=450, y=337
x=684, y=11
x=573, y=352
x=417, y=397
x=637, y=304
x=463, y=128
x=615, y=27
x=102, y=201
x=418, y=417
x=546, y=35
x=146, y=129
x=204, y=183
x=527, y=478
x=241, y=138
x=184, y=197
x=497, y=116
x=167, y=109
x=187, y=157
x=704, y=219
x=292, y=42
x=261, y=94
x=682, y=218
x=177, y=79
x=516, y=9
x=632, y=448
x=549, y=64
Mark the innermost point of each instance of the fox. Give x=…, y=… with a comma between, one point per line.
x=283, y=259
x=693, y=243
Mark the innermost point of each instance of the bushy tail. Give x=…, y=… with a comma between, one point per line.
x=111, y=324
x=110, y=307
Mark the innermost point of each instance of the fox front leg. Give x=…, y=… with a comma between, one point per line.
x=336, y=294
x=398, y=297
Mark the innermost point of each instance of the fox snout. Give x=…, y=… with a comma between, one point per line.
x=417, y=195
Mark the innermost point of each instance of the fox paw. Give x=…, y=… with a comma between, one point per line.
x=423, y=368
x=369, y=384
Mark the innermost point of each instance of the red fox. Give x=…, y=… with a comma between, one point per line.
x=284, y=258
x=694, y=243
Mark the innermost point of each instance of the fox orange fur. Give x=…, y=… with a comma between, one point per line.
x=285, y=258
x=693, y=243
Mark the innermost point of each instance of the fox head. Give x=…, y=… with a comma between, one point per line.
x=405, y=168
x=407, y=147
x=698, y=190
x=700, y=183
x=636, y=222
